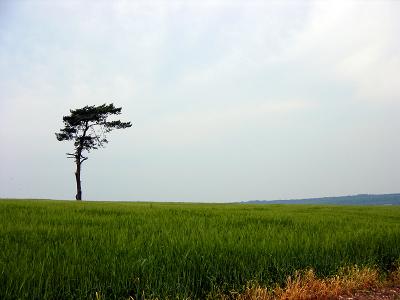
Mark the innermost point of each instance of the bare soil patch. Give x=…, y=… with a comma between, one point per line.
x=385, y=293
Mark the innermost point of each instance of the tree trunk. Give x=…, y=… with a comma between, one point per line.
x=78, y=160
x=78, y=181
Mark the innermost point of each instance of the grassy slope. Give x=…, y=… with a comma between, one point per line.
x=59, y=249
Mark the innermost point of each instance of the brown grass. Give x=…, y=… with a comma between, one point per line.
x=305, y=285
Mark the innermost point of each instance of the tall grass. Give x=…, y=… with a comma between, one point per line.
x=69, y=250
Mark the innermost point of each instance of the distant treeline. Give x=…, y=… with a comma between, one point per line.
x=361, y=199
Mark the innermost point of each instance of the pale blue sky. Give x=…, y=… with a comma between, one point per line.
x=230, y=100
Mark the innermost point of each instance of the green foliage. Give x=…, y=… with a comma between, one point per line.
x=71, y=250
x=87, y=126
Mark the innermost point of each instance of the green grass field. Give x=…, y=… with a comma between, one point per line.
x=70, y=250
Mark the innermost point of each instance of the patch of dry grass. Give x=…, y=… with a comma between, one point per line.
x=306, y=285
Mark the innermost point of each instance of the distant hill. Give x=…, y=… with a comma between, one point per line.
x=361, y=199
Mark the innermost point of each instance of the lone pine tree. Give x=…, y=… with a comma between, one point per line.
x=88, y=127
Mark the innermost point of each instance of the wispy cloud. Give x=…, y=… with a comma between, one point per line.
x=355, y=43
x=198, y=126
